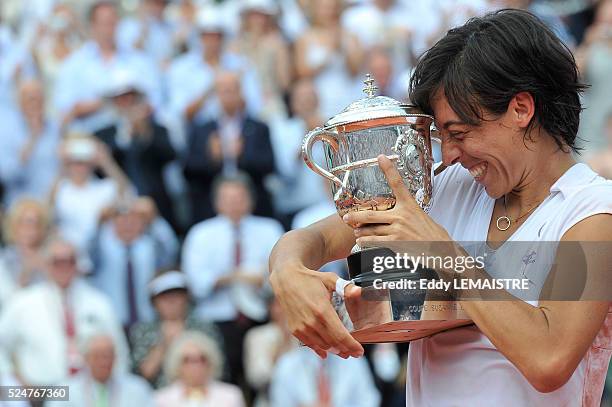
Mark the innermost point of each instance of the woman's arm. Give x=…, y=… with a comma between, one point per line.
x=353, y=53
x=305, y=293
x=546, y=342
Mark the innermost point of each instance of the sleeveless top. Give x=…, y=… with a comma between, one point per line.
x=461, y=367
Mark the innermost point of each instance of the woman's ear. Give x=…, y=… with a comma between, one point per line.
x=522, y=109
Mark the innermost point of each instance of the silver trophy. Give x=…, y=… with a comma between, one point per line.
x=352, y=141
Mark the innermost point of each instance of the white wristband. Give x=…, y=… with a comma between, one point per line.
x=340, y=286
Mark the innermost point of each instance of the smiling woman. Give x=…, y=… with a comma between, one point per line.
x=510, y=120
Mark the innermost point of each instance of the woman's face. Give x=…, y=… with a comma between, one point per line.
x=171, y=305
x=79, y=171
x=493, y=152
x=195, y=368
x=326, y=12
x=29, y=228
x=256, y=21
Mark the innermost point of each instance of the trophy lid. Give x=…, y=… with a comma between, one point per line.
x=372, y=107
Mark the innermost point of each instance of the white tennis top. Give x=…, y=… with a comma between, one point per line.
x=462, y=367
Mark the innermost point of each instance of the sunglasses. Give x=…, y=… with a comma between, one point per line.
x=194, y=359
x=63, y=261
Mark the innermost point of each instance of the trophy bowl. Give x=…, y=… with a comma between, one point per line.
x=352, y=141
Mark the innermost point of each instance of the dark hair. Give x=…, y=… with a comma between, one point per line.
x=483, y=64
x=98, y=4
x=240, y=178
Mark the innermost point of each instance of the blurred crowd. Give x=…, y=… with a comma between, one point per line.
x=151, y=158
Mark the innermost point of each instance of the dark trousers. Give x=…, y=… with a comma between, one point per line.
x=233, y=333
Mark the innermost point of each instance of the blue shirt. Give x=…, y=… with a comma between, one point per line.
x=34, y=177
x=85, y=76
x=295, y=380
x=158, y=43
x=110, y=271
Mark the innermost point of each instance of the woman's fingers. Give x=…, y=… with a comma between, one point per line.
x=395, y=181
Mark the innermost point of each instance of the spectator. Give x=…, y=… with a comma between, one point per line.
x=260, y=41
x=26, y=229
x=99, y=385
x=330, y=56
x=149, y=32
x=233, y=142
x=169, y=293
x=13, y=57
x=29, y=141
x=263, y=346
x=302, y=379
x=602, y=161
x=193, y=362
x=390, y=81
x=298, y=187
x=293, y=18
x=56, y=39
x=192, y=77
x=156, y=226
x=8, y=287
x=316, y=212
x=138, y=142
x=594, y=58
x=545, y=12
x=78, y=196
x=389, y=24
x=43, y=325
x=182, y=15
x=82, y=79
x=226, y=260
x=126, y=258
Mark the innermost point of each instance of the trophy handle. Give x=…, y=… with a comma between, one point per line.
x=319, y=134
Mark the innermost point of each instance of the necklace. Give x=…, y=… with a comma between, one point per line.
x=503, y=223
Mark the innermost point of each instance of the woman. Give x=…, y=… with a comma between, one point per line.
x=55, y=41
x=26, y=229
x=330, y=56
x=513, y=136
x=261, y=42
x=192, y=364
x=79, y=196
x=150, y=341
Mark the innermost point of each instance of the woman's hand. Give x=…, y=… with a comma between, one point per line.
x=406, y=221
x=305, y=297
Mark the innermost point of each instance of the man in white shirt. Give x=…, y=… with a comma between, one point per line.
x=83, y=78
x=302, y=379
x=42, y=326
x=99, y=385
x=226, y=260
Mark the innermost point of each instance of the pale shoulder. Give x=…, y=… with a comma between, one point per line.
x=27, y=297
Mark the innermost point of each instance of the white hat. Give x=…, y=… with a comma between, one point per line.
x=171, y=280
x=268, y=7
x=122, y=81
x=208, y=20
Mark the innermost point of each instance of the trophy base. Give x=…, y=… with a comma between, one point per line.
x=405, y=309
